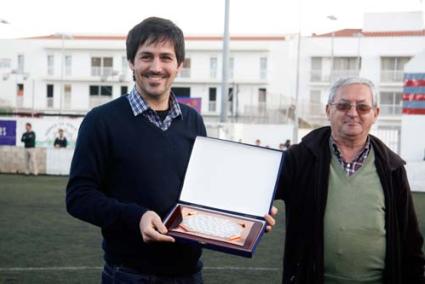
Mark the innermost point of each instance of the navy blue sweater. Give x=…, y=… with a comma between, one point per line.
x=124, y=165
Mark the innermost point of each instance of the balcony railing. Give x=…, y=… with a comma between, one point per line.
x=319, y=76
x=96, y=71
x=392, y=76
x=212, y=106
x=263, y=114
x=336, y=74
x=98, y=100
x=390, y=110
x=184, y=73
x=101, y=71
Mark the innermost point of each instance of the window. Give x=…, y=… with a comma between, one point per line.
x=263, y=68
x=94, y=90
x=345, y=63
x=101, y=66
x=99, y=94
x=68, y=65
x=181, y=92
x=101, y=91
x=124, y=90
x=185, y=71
x=316, y=69
x=96, y=63
x=212, y=99
x=390, y=103
x=106, y=91
x=49, y=95
x=345, y=67
x=50, y=65
x=20, y=65
x=213, y=67
x=392, y=68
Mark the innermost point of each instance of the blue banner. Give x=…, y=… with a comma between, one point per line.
x=8, y=132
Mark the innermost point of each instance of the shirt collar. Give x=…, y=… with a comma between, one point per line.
x=337, y=153
x=139, y=105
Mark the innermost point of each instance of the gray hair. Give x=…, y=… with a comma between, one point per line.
x=342, y=82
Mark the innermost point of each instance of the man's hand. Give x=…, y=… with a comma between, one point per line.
x=152, y=228
x=270, y=219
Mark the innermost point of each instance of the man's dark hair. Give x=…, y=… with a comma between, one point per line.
x=155, y=30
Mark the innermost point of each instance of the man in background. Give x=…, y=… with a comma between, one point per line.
x=28, y=138
x=60, y=141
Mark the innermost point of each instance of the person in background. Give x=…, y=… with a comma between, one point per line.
x=349, y=210
x=28, y=138
x=258, y=142
x=129, y=163
x=60, y=141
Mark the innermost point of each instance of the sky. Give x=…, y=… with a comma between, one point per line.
x=195, y=17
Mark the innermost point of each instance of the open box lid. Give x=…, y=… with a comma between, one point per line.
x=231, y=176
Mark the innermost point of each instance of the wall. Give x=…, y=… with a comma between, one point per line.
x=49, y=161
x=412, y=137
x=12, y=159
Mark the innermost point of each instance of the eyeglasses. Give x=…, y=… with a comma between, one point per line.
x=345, y=107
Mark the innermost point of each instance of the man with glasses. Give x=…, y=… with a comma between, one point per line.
x=350, y=214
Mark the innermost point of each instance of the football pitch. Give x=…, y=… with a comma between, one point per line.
x=41, y=243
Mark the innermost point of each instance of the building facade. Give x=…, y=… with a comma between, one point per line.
x=70, y=74
x=66, y=74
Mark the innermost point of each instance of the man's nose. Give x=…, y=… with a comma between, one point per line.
x=352, y=111
x=156, y=65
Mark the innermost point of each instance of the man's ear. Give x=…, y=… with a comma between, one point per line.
x=131, y=65
x=327, y=110
x=376, y=112
x=180, y=67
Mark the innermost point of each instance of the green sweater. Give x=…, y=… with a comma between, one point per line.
x=354, y=232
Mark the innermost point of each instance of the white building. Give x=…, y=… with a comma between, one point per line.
x=379, y=52
x=70, y=74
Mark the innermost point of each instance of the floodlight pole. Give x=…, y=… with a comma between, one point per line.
x=225, y=79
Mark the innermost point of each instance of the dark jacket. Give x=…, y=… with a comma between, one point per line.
x=28, y=138
x=60, y=142
x=304, y=189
